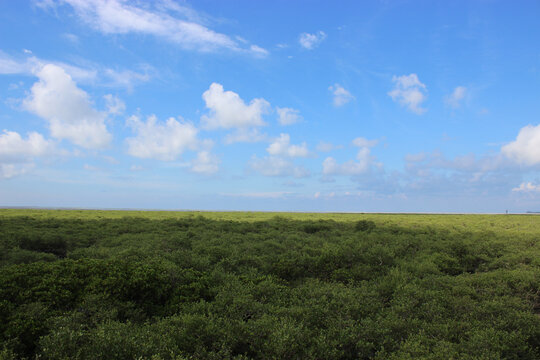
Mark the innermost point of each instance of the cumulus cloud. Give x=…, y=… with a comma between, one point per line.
x=288, y=116
x=279, y=162
x=67, y=108
x=454, y=99
x=281, y=147
x=311, y=41
x=161, y=141
x=228, y=110
x=351, y=167
x=526, y=148
x=14, y=147
x=527, y=187
x=277, y=166
x=410, y=92
x=176, y=24
x=17, y=153
x=341, y=96
x=363, y=163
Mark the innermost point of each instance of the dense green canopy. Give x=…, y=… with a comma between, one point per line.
x=183, y=286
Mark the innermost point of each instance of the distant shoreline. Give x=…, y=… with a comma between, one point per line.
x=262, y=211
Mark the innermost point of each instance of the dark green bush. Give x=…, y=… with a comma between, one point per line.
x=365, y=225
x=195, y=288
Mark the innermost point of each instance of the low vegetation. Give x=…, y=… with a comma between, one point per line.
x=158, y=285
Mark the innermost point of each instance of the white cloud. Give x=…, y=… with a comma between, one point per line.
x=454, y=99
x=125, y=78
x=115, y=106
x=363, y=142
x=160, y=20
x=311, y=41
x=8, y=171
x=279, y=163
x=258, y=51
x=67, y=108
x=205, y=163
x=13, y=147
x=409, y=92
x=17, y=154
x=277, y=166
x=363, y=163
x=228, y=110
x=288, y=116
x=526, y=148
x=87, y=74
x=331, y=166
x=162, y=141
x=31, y=65
x=281, y=147
x=9, y=66
x=341, y=96
x=527, y=187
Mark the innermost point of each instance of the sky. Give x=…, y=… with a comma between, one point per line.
x=349, y=106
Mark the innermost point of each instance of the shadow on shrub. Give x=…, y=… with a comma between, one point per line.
x=365, y=225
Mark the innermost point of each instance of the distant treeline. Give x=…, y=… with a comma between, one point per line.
x=200, y=288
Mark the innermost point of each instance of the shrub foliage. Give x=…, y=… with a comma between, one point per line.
x=199, y=288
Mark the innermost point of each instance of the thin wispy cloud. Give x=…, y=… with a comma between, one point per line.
x=171, y=22
x=455, y=99
x=93, y=74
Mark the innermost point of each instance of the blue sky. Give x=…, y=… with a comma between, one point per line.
x=394, y=106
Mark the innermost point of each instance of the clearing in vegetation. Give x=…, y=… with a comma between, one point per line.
x=187, y=285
